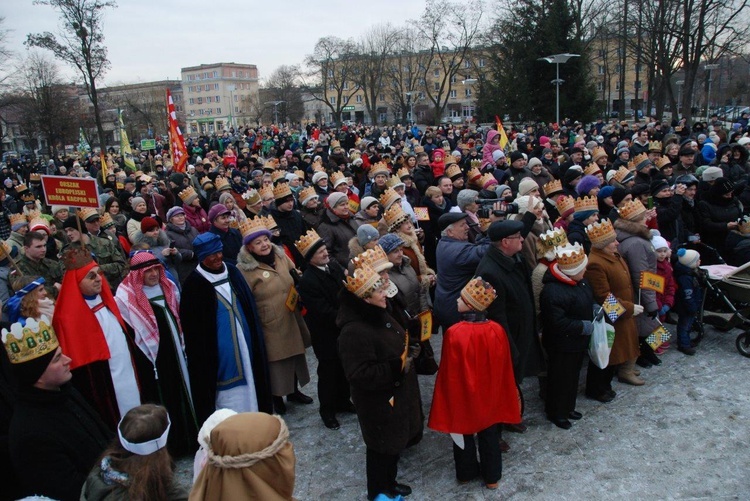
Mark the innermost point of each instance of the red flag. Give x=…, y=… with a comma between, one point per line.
x=177, y=147
x=104, y=166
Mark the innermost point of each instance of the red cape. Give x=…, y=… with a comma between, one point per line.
x=475, y=386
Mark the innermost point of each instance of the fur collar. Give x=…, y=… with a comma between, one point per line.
x=247, y=262
x=412, y=242
x=631, y=229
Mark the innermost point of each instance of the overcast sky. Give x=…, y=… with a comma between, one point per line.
x=152, y=39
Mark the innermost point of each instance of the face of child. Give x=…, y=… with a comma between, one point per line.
x=663, y=253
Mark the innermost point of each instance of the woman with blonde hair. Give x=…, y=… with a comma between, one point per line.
x=30, y=300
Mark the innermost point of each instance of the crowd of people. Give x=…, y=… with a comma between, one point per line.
x=191, y=295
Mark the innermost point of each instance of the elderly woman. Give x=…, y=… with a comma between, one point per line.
x=268, y=271
x=194, y=213
x=136, y=216
x=236, y=216
x=399, y=223
x=181, y=236
x=467, y=203
x=531, y=209
x=369, y=212
x=376, y=357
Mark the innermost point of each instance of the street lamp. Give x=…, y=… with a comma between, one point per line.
x=557, y=60
x=709, y=68
x=275, y=110
x=679, y=84
x=410, y=104
x=231, y=88
x=470, y=108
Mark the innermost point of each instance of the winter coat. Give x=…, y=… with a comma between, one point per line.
x=197, y=218
x=609, y=273
x=285, y=332
x=456, y=263
x=319, y=292
x=577, y=234
x=231, y=241
x=635, y=247
x=514, y=308
x=689, y=292
x=713, y=215
x=423, y=178
x=566, y=305
x=415, y=293
x=664, y=269
x=387, y=400
x=668, y=217
x=337, y=233
x=97, y=489
x=312, y=217
x=183, y=242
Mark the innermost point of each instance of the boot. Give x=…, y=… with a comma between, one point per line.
x=626, y=375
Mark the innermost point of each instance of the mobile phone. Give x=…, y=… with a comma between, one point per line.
x=171, y=244
x=650, y=202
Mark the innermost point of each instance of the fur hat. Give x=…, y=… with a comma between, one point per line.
x=587, y=184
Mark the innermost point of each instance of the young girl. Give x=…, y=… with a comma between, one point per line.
x=665, y=300
x=689, y=297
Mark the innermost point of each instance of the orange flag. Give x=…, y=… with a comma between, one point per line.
x=177, y=148
x=652, y=281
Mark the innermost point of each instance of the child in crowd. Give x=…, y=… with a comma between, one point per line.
x=665, y=300
x=689, y=297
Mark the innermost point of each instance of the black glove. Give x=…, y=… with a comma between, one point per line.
x=652, y=314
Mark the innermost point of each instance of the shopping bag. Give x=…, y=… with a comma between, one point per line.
x=601, y=342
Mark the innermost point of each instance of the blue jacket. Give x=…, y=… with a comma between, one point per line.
x=689, y=295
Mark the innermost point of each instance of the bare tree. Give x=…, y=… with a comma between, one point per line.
x=80, y=43
x=404, y=82
x=283, y=85
x=374, y=48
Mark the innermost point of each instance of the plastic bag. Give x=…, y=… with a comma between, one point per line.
x=601, y=342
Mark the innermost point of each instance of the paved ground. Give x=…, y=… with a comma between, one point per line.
x=684, y=435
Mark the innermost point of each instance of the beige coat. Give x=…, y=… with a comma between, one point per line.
x=285, y=332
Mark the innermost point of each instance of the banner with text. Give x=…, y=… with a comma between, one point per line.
x=70, y=191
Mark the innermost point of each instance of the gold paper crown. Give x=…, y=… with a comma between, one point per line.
x=106, y=220
x=307, y=241
x=37, y=223
x=655, y=147
x=475, y=164
x=29, y=342
x=375, y=258
x=222, y=184
x=621, y=174
x=206, y=183
x=17, y=219
x=394, y=216
x=269, y=222
x=487, y=180
x=592, y=169
x=363, y=280
x=335, y=144
x=403, y=172
x=641, y=159
x=21, y=188
x=553, y=238
x=474, y=175
x=586, y=203
x=662, y=162
x=389, y=197
x=271, y=164
x=394, y=181
x=379, y=168
x=632, y=210
x=554, y=186
x=453, y=171
x=265, y=192
x=251, y=226
x=601, y=233
x=86, y=212
x=188, y=194
x=478, y=294
x=76, y=257
x=337, y=178
x=33, y=214
x=281, y=190
x=28, y=197
x=564, y=204
x=35, y=177
x=418, y=149
x=598, y=153
x=570, y=256
x=278, y=174
x=306, y=193
x=300, y=174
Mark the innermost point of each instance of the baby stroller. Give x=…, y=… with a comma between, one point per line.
x=726, y=302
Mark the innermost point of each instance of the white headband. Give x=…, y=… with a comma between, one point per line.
x=144, y=448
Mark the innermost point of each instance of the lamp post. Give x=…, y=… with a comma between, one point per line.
x=557, y=60
x=709, y=68
x=679, y=84
x=410, y=104
x=231, y=88
x=275, y=110
x=470, y=107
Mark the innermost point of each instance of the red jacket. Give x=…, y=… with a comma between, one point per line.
x=664, y=269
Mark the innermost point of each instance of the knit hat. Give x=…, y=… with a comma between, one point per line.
x=516, y=155
x=501, y=188
x=216, y=211
x=605, y=192
x=712, y=174
x=174, y=211
x=658, y=186
x=623, y=149
x=367, y=202
x=136, y=201
x=722, y=186
x=148, y=224
x=571, y=175
x=526, y=202
x=57, y=208
x=207, y=244
x=688, y=257
x=587, y=184
x=534, y=162
x=390, y=242
x=366, y=234
x=526, y=186
x=318, y=176
x=659, y=242
x=497, y=155
x=335, y=199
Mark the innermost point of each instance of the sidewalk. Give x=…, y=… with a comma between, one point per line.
x=684, y=435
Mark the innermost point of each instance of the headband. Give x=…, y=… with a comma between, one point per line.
x=145, y=448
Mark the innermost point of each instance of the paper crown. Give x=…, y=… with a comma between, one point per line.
x=306, y=194
x=278, y=174
x=478, y=294
x=602, y=233
x=21, y=188
x=453, y=171
x=206, y=183
x=252, y=226
x=565, y=204
x=374, y=258
x=553, y=238
x=271, y=164
x=266, y=192
x=105, y=220
x=300, y=174
x=554, y=186
x=418, y=149
x=632, y=210
x=188, y=194
x=592, y=169
x=569, y=257
x=641, y=161
x=379, y=168
x=621, y=174
x=318, y=167
x=33, y=214
x=403, y=172
x=307, y=242
x=487, y=180
x=28, y=197
x=394, y=181
x=363, y=280
x=337, y=178
x=35, y=177
x=394, y=216
x=335, y=144
x=586, y=204
x=76, y=257
x=17, y=219
x=475, y=164
x=87, y=212
x=281, y=190
x=662, y=162
x=29, y=342
x=269, y=222
x=389, y=197
x=38, y=223
x=598, y=153
x=221, y=184
x=654, y=147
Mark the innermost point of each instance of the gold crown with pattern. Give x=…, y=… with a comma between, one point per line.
x=394, y=216
x=266, y=192
x=394, y=181
x=251, y=226
x=553, y=238
x=418, y=149
x=281, y=190
x=662, y=162
x=569, y=256
x=474, y=177
x=188, y=194
x=35, y=177
x=565, y=203
x=363, y=281
x=21, y=188
x=307, y=241
x=300, y=174
x=585, y=204
x=31, y=341
x=269, y=222
x=305, y=194
x=37, y=222
x=601, y=233
x=632, y=210
x=453, y=171
x=478, y=294
x=337, y=178
x=598, y=153
x=28, y=197
x=206, y=183
x=655, y=147
x=86, y=212
x=105, y=220
x=222, y=184
x=379, y=168
x=375, y=258
x=278, y=174
x=271, y=164
x=554, y=186
x=475, y=164
x=17, y=219
x=403, y=172
x=641, y=160
x=318, y=167
x=621, y=174
x=592, y=169
x=487, y=180
x=33, y=214
x=389, y=197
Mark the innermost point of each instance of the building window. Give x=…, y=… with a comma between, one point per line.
x=216, y=86
x=236, y=109
x=617, y=85
x=200, y=100
x=200, y=111
x=600, y=86
x=382, y=98
x=453, y=79
x=234, y=74
x=436, y=86
x=602, y=53
x=192, y=101
x=467, y=64
x=235, y=98
x=617, y=68
x=453, y=93
x=218, y=110
x=481, y=62
x=638, y=68
x=331, y=86
x=436, y=73
x=332, y=100
x=209, y=99
x=601, y=69
x=216, y=74
x=199, y=88
x=330, y=73
x=208, y=87
x=358, y=98
x=218, y=99
x=346, y=85
x=421, y=95
x=468, y=92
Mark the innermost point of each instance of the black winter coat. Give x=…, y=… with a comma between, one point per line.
x=388, y=402
x=713, y=216
x=183, y=242
x=668, y=217
x=577, y=234
x=423, y=178
x=337, y=233
x=232, y=242
x=565, y=307
x=319, y=292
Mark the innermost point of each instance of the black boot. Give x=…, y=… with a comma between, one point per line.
x=279, y=407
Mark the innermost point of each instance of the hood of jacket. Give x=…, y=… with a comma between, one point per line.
x=247, y=262
x=627, y=229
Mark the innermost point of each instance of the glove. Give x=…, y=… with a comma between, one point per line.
x=408, y=365
x=652, y=314
x=637, y=310
x=664, y=309
x=588, y=328
x=414, y=350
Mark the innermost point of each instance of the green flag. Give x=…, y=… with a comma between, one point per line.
x=125, y=151
x=83, y=145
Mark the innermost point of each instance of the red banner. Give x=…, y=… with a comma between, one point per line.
x=176, y=140
x=70, y=191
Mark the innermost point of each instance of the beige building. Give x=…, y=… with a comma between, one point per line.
x=606, y=72
x=218, y=96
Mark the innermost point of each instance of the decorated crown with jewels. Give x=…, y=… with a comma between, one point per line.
x=28, y=342
x=478, y=294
